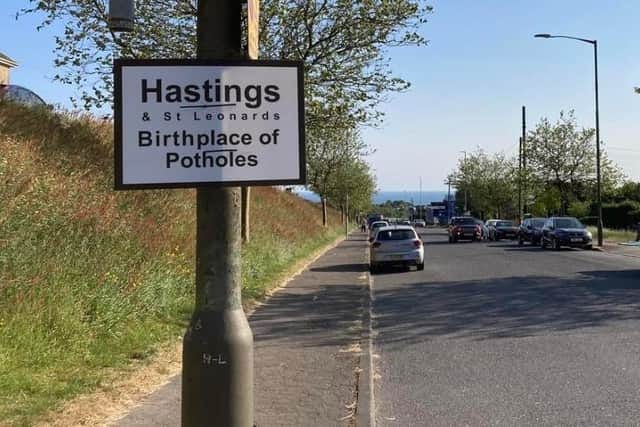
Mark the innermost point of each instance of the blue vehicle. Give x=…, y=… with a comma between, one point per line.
x=565, y=231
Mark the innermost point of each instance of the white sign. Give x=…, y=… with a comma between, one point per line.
x=191, y=123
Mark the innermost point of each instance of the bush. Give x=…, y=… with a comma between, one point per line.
x=579, y=209
x=623, y=215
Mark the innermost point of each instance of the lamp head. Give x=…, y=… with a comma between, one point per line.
x=543, y=36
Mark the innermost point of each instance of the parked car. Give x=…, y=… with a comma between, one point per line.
x=565, y=231
x=503, y=230
x=375, y=225
x=463, y=227
x=403, y=222
x=484, y=230
x=490, y=223
x=531, y=230
x=419, y=223
x=394, y=245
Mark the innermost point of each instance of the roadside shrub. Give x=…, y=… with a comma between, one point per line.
x=623, y=215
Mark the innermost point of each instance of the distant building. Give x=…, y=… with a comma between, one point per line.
x=6, y=64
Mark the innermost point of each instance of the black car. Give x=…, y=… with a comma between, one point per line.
x=531, y=230
x=503, y=230
x=464, y=227
x=565, y=231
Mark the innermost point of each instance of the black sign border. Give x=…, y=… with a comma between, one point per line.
x=118, y=127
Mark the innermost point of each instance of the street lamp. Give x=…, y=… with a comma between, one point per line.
x=465, y=189
x=598, y=178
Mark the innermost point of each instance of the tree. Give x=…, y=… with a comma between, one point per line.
x=342, y=43
x=331, y=152
x=489, y=182
x=563, y=157
x=355, y=181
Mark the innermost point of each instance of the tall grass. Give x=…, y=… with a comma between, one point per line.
x=616, y=236
x=91, y=278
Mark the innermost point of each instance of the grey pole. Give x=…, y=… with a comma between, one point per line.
x=520, y=180
x=346, y=215
x=217, y=371
x=465, y=190
x=448, y=201
x=598, y=177
x=524, y=158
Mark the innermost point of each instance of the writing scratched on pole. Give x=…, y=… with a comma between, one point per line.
x=210, y=359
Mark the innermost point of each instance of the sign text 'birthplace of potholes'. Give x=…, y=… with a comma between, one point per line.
x=193, y=123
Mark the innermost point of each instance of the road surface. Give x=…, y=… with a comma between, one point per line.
x=500, y=335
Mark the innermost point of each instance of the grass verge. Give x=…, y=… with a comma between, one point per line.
x=91, y=279
x=616, y=236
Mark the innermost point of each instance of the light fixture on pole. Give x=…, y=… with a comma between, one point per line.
x=594, y=43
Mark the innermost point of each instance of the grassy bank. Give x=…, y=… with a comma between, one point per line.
x=616, y=236
x=91, y=279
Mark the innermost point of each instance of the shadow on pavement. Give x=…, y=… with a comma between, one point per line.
x=325, y=316
x=341, y=268
x=507, y=307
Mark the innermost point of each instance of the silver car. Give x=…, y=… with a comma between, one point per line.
x=398, y=244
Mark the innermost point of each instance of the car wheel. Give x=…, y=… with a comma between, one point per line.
x=520, y=242
x=420, y=267
x=588, y=248
x=373, y=269
x=543, y=244
x=555, y=244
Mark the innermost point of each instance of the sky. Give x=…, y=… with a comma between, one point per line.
x=469, y=83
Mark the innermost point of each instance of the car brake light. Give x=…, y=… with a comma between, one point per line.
x=417, y=243
x=376, y=245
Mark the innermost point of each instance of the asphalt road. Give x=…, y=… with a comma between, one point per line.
x=492, y=334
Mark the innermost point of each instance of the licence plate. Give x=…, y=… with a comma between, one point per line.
x=395, y=257
x=576, y=239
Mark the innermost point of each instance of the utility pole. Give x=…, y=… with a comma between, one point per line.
x=465, y=189
x=524, y=157
x=520, y=179
x=217, y=372
x=346, y=216
x=253, y=21
x=448, y=200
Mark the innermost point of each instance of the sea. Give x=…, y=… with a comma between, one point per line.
x=415, y=197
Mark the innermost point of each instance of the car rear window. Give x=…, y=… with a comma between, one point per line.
x=504, y=224
x=464, y=221
x=396, y=235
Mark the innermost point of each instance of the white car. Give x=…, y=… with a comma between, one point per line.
x=373, y=228
x=419, y=223
x=396, y=245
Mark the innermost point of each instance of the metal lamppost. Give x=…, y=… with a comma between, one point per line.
x=465, y=189
x=594, y=43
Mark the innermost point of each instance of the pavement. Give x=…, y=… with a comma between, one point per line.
x=630, y=249
x=311, y=360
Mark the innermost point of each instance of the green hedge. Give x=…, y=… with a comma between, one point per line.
x=623, y=215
